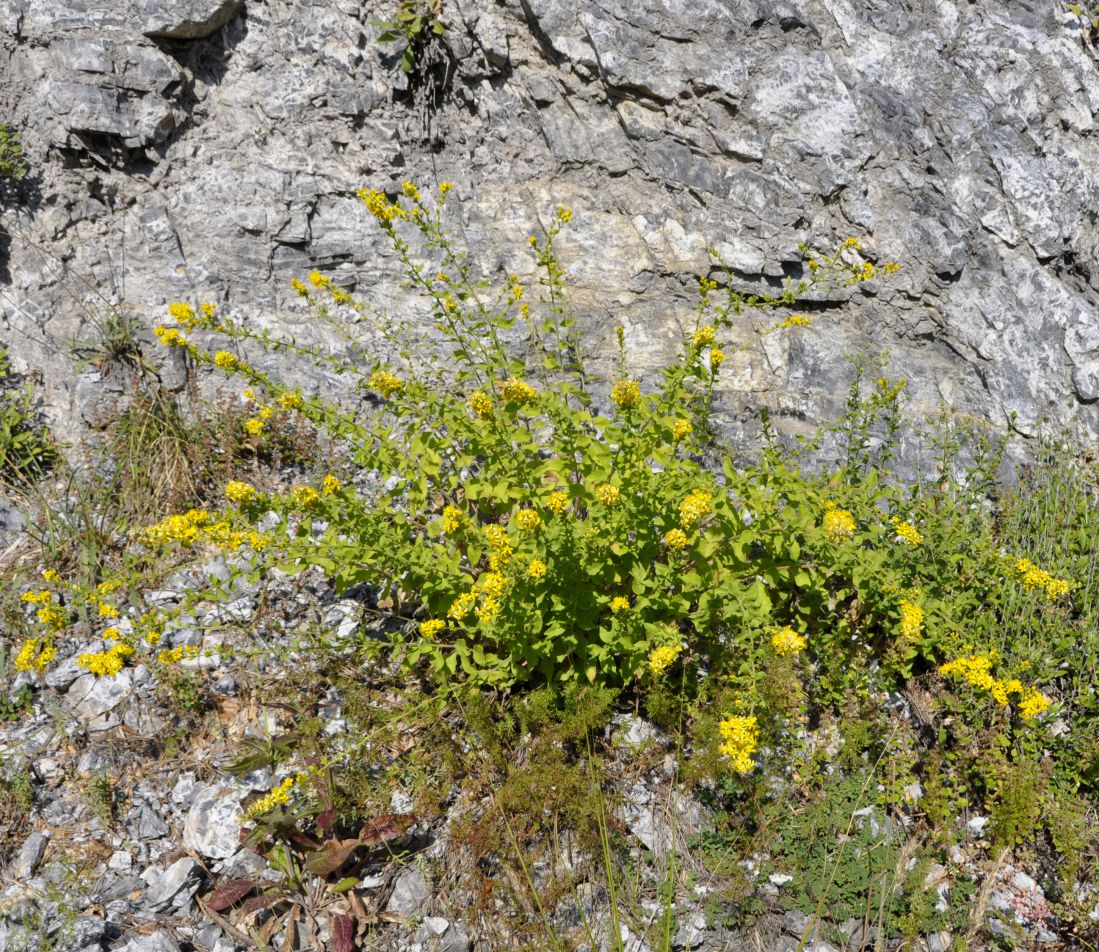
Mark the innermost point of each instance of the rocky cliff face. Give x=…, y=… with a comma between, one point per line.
x=211, y=149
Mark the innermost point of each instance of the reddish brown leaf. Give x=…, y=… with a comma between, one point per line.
x=264, y=901
x=330, y=857
x=326, y=823
x=343, y=934
x=386, y=828
x=229, y=894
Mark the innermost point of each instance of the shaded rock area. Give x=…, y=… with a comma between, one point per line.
x=208, y=150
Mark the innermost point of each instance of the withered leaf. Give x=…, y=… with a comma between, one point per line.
x=343, y=933
x=229, y=894
x=330, y=857
x=386, y=828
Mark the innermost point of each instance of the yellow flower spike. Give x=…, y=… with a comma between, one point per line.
x=625, y=394
x=911, y=619
x=741, y=739
x=452, y=519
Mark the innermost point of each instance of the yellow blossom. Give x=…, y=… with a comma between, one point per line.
x=1033, y=704
x=111, y=634
x=740, y=737
x=170, y=337
x=537, y=569
x=839, y=524
x=717, y=358
x=410, y=190
x=319, y=280
x=299, y=287
x=445, y=187
x=452, y=519
x=480, y=403
x=488, y=611
x=557, y=502
x=625, y=394
x=564, y=214
x=662, y=658
x=695, y=507
x=681, y=430
x=786, y=641
x=184, y=315
x=461, y=606
x=226, y=361
x=906, y=532
x=620, y=604
x=528, y=520
x=704, y=336
x=491, y=585
x=607, y=494
x=518, y=391
x=676, y=539
x=330, y=485
x=107, y=610
x=794, y=320
x=279, y=796
x=50, y=575
x=380, y=207
x=431, y=628
x=239, y=492
x=385, y=383
x=304, y=496
x=911, y=619
x=253, y=426
x=290, y=401
x=35, y=655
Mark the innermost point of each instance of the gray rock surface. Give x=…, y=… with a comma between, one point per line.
x=210, y=150
x=213, y=822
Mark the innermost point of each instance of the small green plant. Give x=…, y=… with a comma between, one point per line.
x=104, y=798
x=13, y=166
x=415, y=24
x=27, y=451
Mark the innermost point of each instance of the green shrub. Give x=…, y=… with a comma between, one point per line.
x=27, y=450
x=12, y=164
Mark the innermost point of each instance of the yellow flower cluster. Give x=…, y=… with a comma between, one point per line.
x=557, y=502
x=976, y=670
x=717, y=358
x=564, y=214
x=330, y=485
x=911, y=618
x=461, y=606
x=626, y=394
x=35, y=655
x=432, y=627
x=253, y=426
x=516, y=390
x=239, y=493
x=794, y=320
x=380, y=207
x=445, y=187
x=167, y=656
x=279, y=796
x=740, y=737
x=695, y=507
x=1033, y=577
x=170, y=337
x=319, y=280
x=480, y=404
x=50, y=575
x=839, y=524
x=52, y=617
x=537, y=569
x=704, y=336
x=385, y=383
x=184, y=528
x=488, y=611
x=528, y=520
x=662, y=658
x=452, y=519
x=620, y=604
x=184, y=315
x=106, y=610
x=304, y=496
x=906, y=532
x=410, y=190
x=491, y=585
x=681, y=430
x=786, y=641
x=106, y=663
x=676, y=539
x=226, y=361
x=607, y=494
x=41, y=597
x=290, y=401
x=500, y=544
